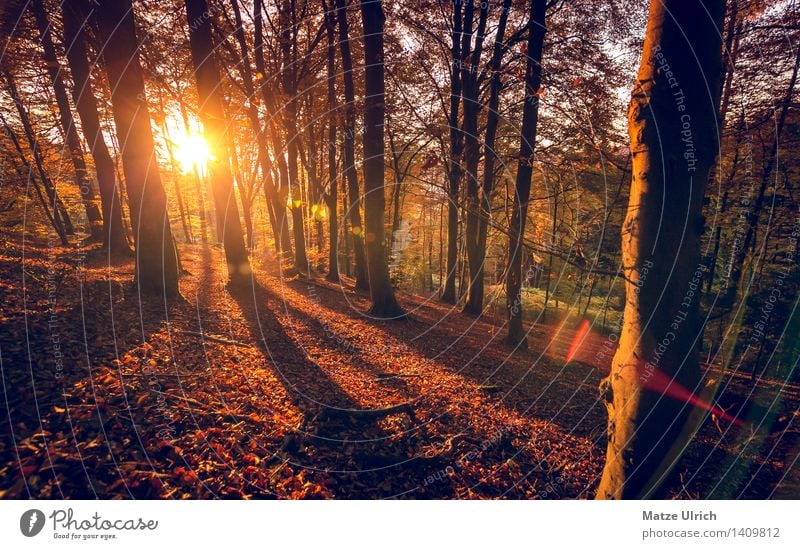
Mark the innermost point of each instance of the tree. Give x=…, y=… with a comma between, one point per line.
x=674, y=141
x=156, y=256
x=277, y=194
x=115, y=237
x=215, y=126
x=480, y=199
x=274, y=205
x=454, y=171
x=331, y=197
x=530, y=118
x=384, y=304
x=73, y=141
x=288, y=42
x=349, y=132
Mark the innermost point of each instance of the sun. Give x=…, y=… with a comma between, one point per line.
x=192, y=151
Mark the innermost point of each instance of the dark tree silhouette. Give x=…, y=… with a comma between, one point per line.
x=156, y=256
x=114, y=235
x=215, y=126
x=384, y=303
x=530, y=119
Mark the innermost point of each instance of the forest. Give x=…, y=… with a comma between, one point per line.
x=422, y=249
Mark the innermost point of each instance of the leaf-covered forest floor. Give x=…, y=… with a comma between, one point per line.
x=285, y=388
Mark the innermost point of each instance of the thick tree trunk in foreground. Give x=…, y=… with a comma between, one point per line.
x=454, y=171
x=115, y=238
x=384, y=304
x=215, y=129
x=673, y=130
x=349, y=130
x=156, y=256
x=530, y=119
x=73, y=141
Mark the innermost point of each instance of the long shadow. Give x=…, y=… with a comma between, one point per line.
x=538, y=390
x=354, y=354
x=335, y=437
x=759, y=477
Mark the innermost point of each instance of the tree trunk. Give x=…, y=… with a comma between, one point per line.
x=474, y=302
x=483, y=202
x=673, y=130
x=270, y=192
x=187, y=232
x=245, y=196
x=553, y=232
x=115, y=238
x=384, y=304
x=281, y=190
x=156, y=256
x=354, y=213
x=530, y=118
x=749, y=240
x=729, y=56
x=73, y=141
x=215, y=129
x=289, y=118
x=332, y=196
x=396, y=189
x=454, y=171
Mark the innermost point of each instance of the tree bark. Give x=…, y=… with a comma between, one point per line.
x=349, y=134
x=482, y=203
x=73, y=141
x=674, y=141
x=156, y=256
x=289, y=118
x=519, y=212
x=384, y=304
x=115, y=238
x=474, y=301
x=332, y=196
x=215, y=126
x=454, y=172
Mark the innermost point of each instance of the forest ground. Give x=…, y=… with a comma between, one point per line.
x=260, y=391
